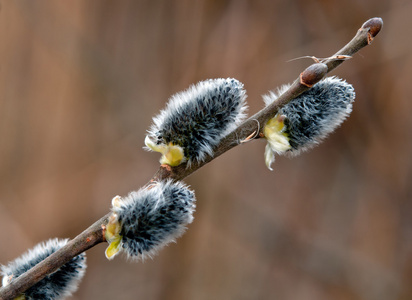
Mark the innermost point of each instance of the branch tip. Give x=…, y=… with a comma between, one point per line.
x=373, y=26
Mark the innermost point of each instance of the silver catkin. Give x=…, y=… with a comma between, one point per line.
x=153, y=217
x=316, y=113
x=197, y=118
x=57, y=285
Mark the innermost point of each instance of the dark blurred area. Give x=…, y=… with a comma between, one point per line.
x=81, y=80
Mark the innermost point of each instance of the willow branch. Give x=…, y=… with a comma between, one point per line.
x=251, y=127
x=305, y=81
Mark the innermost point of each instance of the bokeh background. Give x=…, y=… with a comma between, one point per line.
x=80, y=81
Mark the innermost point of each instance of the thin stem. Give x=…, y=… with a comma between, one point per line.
x=251, y=127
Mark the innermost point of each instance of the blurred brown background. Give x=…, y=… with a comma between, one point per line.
x=80, y=81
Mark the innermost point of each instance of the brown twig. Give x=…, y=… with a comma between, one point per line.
x=251, y=127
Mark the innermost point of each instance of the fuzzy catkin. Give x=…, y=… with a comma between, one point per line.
x=197, y=118
x=57, y=285
x=306, y=120
x=314, y=114
x=153, y=217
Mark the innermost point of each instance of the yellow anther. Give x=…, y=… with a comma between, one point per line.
x=277, y=138
x=275, y=135
x=113, y=237
x=114, y=247
x=172, y=155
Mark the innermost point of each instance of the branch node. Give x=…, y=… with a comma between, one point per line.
x=337, y=57
x=313, y=74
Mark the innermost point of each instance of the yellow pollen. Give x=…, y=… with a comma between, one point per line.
x=113, y=237
x=172, y=155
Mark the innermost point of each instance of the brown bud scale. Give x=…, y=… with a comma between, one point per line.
x=313, y=74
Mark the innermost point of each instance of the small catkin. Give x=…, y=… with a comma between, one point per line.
x=195, y=120
x=150, y=218
x=57, y=285
x=306, y=120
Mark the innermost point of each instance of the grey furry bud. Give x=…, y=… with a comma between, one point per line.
x=195, y=120
x=146, y=220
x=57, y=285
x=306, y=120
